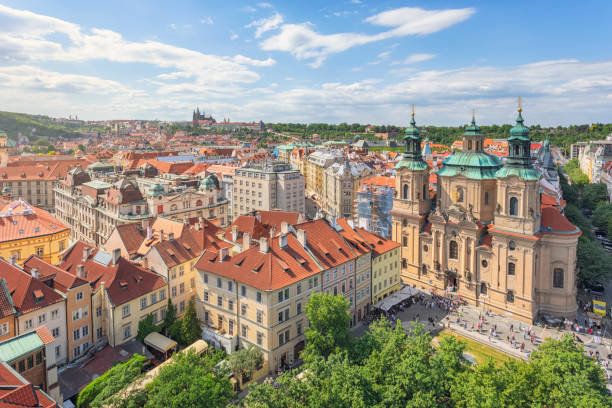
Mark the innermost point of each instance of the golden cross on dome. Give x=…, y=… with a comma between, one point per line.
x=520, y=104
x=413, y=110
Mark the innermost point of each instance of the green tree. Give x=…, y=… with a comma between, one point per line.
x=602, y=216
x=82, y=148
x=108, y=384
x=594, y=263
x=190, y=381
x=146, y=327
x=328, y=329
x=191, y=329
x=244, y=362
x=593, y=194
x=170, y=315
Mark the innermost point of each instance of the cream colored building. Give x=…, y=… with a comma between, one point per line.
x=341, y=181
x=315, y=166
x=267, y=186
x=488, y=239
x=259, y=296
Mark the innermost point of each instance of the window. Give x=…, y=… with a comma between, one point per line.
x=85, y=331
x=283, y=295
x=298, y=308
x=182, y=306
x=22, y=366
x=143, y=303
x=99, y=311
x=558, y=278
x=425, y=191
x=259, y=316
x=206, y=296
x=511, y=268
x=283, y=315
x=39, y=358
x=510, y=296
x=4, y=329
x=230, y=286
x=39, y=251
x=76, y=335
x=205, y=278
x=54, y=314
x=230, y=304
x=405, y=195
x=259, y=338
x=153, y=298
x=244, y=330
x=459, y=194
x=453, y=250
x=299, y=288
x=486, y=198
x=182, y=288
x=511, y=245
x=174, y=291
x=243, y=309
x=258, y=297
x=483, y=288
x=230, y=328
x=220, y=301
x=42, y=318
x=243, y=291
x=484, y=263
x=404, y=240
x=77, y=351
x=513, y=206
x=126, y=310
x=79, y=296
x=219, y=283
x=299, y=328
x=99, y=333
x=28, y=324
x=55, y=332
x=127, y=332
x=162, y=295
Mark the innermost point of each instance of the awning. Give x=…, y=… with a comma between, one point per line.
x=405, y=293
x=159, y=342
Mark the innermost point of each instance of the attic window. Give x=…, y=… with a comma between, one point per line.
x=123, y=285
x=258, y=268
x=53, y=226
x=138, y=278
x=14, y=222
x=38, y=295
x=187, y=246
x=21, y=231
x=239, y=263
x=283, y=265
x=37, y=229
x=323, y=249
x=213, y=259
x=380, y=242
x=301, y=260
x=170, y=252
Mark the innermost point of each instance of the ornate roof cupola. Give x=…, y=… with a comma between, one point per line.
x=412, y=157
x=473, y=139
x=518, y=162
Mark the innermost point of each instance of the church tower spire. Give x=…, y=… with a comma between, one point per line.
x=412, y=157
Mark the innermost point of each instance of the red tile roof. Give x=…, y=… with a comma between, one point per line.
x=52, y=275
x=378, y=244
x=132, y=235
x=247, y=223
x=19, y=220
x=6, y=302
x=553, y=222
x=23, y=288
x=123, y=281
x=274, y=219
x=326, y=243
x=16, y=392
x=45, y=335
x=380, y=181
x=273, y=270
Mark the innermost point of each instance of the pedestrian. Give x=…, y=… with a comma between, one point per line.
x=511, y=328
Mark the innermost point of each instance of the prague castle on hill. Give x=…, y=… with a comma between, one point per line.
x=485, y=234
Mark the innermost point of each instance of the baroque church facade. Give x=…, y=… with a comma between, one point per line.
x=487, y=237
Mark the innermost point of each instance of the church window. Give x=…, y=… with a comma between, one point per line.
x=424, y=191
x=404, y=240
x=424, y=269
x=469, y=145
x=199, y=203
x=558, y=278
x=405, y=222
x=453, y=250
x=514, y=206
x=516, y=150
x=404, y=263
x=511, y=245
x=459, y=195
x=484, y=263
x=511, y=268
x=486, y=198
x=405, y=196
x=483, y=288
x=425, y=248
x=510, y=296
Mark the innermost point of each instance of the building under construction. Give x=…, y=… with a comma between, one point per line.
x=374, y=201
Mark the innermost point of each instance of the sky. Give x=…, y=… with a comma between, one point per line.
x=310, y=61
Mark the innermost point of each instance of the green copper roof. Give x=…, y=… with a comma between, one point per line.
x=156, y=190
x=208, y=183
x=519, y=131
x=520, y=172
x=411, y=164
x=17, y=347
x=412, y=132
x=472, y=165
x=472, y=129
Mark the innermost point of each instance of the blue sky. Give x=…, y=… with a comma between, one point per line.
x=309, y=61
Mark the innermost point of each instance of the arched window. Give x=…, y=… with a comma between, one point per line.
x=558, y=278
x=404, y=263
x=516, y=150
x=424, y=191
x=173, y=207
x=199, y=203
x=459, y=195
x=424, y=269
x=483, y=288
x=510, y=296
x=405, y=196
x=511, y=268
x=469, y=145
x=453, y=250
x=514, y=206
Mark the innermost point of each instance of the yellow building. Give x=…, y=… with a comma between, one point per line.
x=386, y=265
x=315, y=166
x=27, y=230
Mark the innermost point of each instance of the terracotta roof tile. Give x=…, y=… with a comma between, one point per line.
x=553, y=222
x=319, y=235
x=45, y=335
x=6, y=302
x=19, y=220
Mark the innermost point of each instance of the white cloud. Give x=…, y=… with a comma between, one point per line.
x=414, y=58
x=233, y=35
x=384, y=55
x=304, y=43
x=208, y=20
x=264, y=5
x=266, y=24
x=356, y=1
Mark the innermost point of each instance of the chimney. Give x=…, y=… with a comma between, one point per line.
x=283, y=241
x=116, y=255
x=234, y=233
x=198, y=226
x=80, y=271
x=161, y=234
x=145, y=262
x=284, y=227
x=146, y=223
x=272, y=231
x=149, y=232
x=301, y=237
x=34, y=273
x=85, y=254
x=171, y=236
x=263, y=245
x=13, y=260
x=222, y=254
x=246, y=241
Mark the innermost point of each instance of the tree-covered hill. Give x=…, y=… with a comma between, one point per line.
x=38, y=125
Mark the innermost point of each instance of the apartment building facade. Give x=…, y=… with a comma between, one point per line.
x=267, y=186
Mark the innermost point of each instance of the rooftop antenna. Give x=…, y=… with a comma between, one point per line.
x=520, y=104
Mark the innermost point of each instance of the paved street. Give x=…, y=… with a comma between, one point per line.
x=465, y=323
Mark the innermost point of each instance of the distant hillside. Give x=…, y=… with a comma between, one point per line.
x=34, y=125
